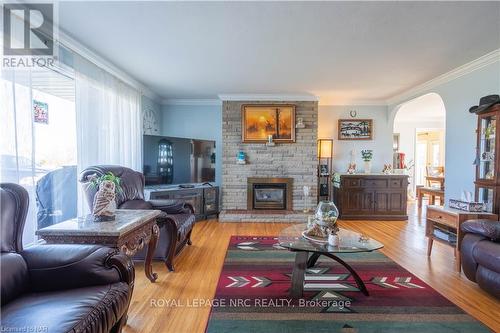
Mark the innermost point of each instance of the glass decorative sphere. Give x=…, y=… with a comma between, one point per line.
x=326, y=214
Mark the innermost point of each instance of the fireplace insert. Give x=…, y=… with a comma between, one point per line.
x=269, y=196
x=269, y=193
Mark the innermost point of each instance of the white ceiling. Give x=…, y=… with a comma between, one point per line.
x=340, y=51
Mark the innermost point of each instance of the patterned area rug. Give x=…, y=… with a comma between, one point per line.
x=252, y=296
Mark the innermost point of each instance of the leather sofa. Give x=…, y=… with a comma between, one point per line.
x=177, y=219
x=58, y=288
x=480, y=251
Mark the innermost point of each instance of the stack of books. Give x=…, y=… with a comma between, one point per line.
x=445, y=233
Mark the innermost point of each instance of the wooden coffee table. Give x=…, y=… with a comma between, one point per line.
x=130, y=232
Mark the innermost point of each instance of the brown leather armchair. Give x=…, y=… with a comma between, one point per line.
x=480, y=251
x=177, y=219
x=63, y=288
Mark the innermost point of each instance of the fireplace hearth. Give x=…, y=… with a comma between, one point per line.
x=269, y=193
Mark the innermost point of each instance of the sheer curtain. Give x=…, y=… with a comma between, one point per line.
x=16, y=140
x=109, y=121
x=35, y=151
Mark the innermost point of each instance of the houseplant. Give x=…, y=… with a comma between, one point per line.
x=104, y=205
x=367, y=156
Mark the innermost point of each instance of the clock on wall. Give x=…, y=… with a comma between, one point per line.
x=150, y=123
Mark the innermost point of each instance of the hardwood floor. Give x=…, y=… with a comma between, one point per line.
x=198, y=267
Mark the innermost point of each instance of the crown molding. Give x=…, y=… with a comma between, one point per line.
x=375, y=102
x=193, y=102
x=63, y=38
x=269, y=97
x=74, y=45
x=454, y=74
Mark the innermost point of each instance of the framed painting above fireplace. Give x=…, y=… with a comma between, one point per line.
x=260, y=122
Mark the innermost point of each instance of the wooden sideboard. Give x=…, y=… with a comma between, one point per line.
x=371, y=196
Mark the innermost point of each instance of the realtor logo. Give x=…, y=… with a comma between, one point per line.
x=28, y=29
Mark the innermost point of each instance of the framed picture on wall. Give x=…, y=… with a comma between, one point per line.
x=355, y=129
x=261, y=121
x=323, y=189
x=323, y=170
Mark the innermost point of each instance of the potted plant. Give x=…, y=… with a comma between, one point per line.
x=367, y=156
x=104, y=205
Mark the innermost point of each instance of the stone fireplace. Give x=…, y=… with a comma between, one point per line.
x=269, y=193
x=294, y=163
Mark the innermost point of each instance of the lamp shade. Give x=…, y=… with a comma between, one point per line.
x=325, y=148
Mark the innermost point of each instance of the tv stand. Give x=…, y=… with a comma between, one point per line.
x=204, y=198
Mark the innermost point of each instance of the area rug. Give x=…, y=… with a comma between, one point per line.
x=252, y=295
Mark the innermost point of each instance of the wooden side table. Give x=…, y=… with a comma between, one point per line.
x=129, y=232
x=451, y=218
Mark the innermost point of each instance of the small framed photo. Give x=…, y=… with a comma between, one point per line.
x=323, y=170
x=323, y=190
x=355, y=129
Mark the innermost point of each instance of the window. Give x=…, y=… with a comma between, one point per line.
x=436, y=154
x=421, y=163
x=38, y=143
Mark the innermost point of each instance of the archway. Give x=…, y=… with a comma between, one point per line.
x=419, y=139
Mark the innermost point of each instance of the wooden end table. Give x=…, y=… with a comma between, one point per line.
x=451, y=218
x=129, y=232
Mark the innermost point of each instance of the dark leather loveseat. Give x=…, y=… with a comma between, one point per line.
x=177, y=219
x=481, y=254
x=58, y=288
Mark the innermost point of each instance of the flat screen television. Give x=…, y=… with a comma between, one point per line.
x=171, y=160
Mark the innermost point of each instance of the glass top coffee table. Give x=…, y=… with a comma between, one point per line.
x=308, y=252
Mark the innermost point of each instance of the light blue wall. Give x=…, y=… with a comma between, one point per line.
x=205, y=122
x=458, y=96
x=197, y=122
x=381, y=144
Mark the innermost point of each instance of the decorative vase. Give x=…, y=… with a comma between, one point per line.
x=368, y=166
x=241, y=158
x=326, y=214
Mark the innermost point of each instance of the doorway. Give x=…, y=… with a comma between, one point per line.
x=429, y=153
x=419, y=139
